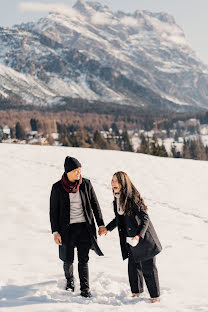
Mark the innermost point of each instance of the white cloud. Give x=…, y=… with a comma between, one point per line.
x=48, y=7
x=129, y=21
x=41, y=7
x=101, y=19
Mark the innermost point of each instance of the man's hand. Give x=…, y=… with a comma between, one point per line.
x=102, y=230
x=57, y=238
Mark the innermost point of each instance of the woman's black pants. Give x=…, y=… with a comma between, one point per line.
x=147, y=270
x=78, y=237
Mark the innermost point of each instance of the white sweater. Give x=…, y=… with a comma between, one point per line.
x=76, y=210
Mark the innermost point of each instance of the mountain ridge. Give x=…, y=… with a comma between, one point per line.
x=90, y=52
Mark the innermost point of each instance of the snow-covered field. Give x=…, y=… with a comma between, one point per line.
x=31, y=275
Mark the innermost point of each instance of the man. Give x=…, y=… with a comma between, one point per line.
x=72, y=205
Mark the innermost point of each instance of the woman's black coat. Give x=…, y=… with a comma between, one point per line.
x=138, y=223
x=60, y=214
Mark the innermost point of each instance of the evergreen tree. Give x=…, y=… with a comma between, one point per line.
x=105, y=127
x=186, y=150
x=154, y=146
x=20, y=132
x=64, y=139
x=12, y=133
x=73, y=139
x=193, y=149
x=202, y=150
x=206, y=151
x=1, y=133
x=144, y=146
x=33, y=124
x=83, y=138
x=99, y=141
x=197, y=149
x=115, y=129
x=127, y=146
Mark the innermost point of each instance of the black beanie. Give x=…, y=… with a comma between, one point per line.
x=71, y=163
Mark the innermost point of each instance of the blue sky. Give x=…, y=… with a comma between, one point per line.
x=191, y=15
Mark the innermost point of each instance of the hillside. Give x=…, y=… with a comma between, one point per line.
x=31, y=277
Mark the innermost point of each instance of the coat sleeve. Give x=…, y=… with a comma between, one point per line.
x=144, y=220
x=112, y=225
x=95, y=206
x=54, y=210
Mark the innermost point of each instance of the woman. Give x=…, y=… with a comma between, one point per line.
x=138, y=239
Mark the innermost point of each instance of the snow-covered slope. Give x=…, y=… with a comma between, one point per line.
x=31, y=277
x=27, y=87
x=88, y=51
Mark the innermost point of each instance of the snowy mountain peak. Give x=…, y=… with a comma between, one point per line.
x=162, y=16
x=83, y=8
x=89, y=7
x=165, y=17
x=140, y=58
x=97, y=6
x=80, y=5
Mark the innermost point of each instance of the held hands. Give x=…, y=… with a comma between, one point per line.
x=57, y=238
x=102, y=230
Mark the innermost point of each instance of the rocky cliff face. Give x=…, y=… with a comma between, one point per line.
x=88, y=51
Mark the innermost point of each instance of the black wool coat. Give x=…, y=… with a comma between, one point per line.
x=60, y=214
x=138, y=223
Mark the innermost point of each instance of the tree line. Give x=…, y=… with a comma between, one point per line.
x=83, y=111
x=191, y=149
x=76, y=136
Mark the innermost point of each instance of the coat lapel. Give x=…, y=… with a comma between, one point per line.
x=66, y=200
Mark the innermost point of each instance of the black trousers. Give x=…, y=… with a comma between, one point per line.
x=147, y=270
x=78, y=237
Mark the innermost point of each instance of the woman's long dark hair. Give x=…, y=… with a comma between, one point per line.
x=129, y=195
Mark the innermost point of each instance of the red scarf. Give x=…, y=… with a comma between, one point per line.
x=70, y=187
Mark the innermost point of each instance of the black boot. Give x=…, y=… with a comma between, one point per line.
x=68, y=270
x=69, y=285
x=84, y=279
x=86, y=293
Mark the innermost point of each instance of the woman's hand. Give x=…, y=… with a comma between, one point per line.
x=137, y=237
x=57, y=238
x=102, y=230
